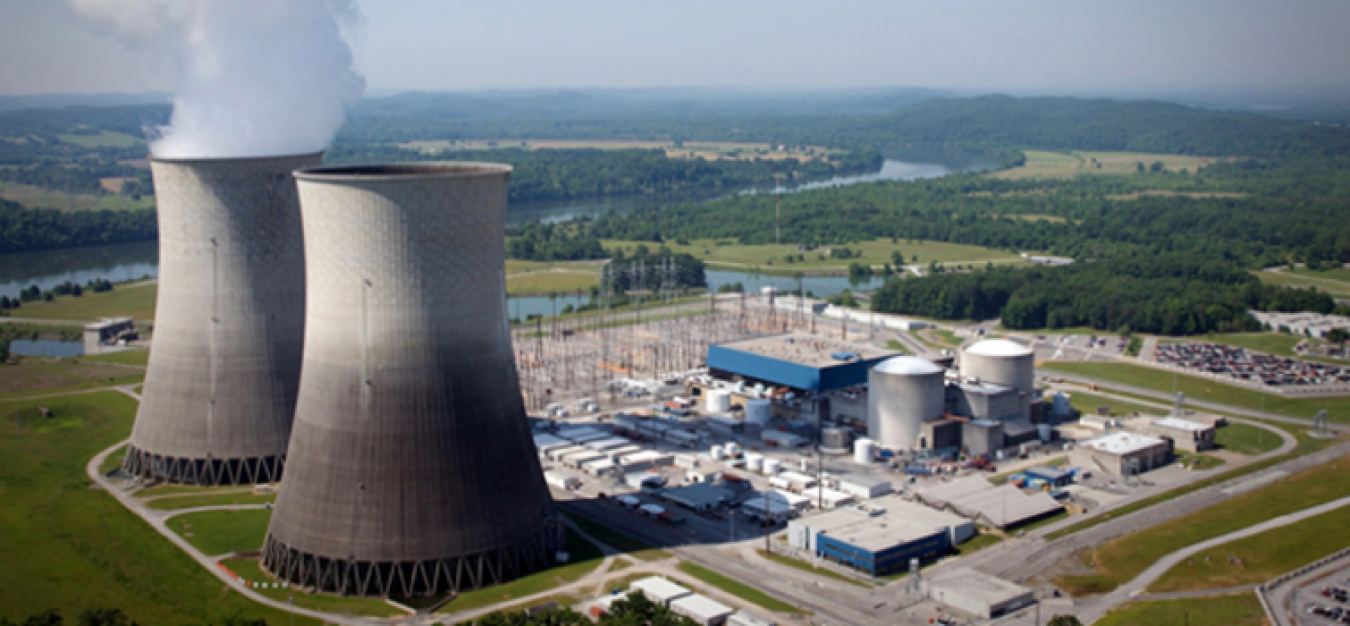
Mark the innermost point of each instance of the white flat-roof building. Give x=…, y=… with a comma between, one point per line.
x=864, y=486
x=1185, y=434
x=1122, y=453
x=1001, y=506
x=659, y=590
x=703, y=610
x=977, y=593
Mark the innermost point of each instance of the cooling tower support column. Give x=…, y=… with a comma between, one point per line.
x=412, y=467
x=221, y=385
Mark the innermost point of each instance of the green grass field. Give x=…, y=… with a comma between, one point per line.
x=70, y=547
x=1235, y=610
x=125, y=357
x=977, y=543
x=104, y=139
x=1246, y=439
x=135, y=300
x=251, y=570
x=560, y=282
x=220, y=499
x=113, y=461
x=875, y=253
x=1338, y=408
x=1087, y=402
x=1124, y=558
x=41, y=198
x=585, y=557
x=175, y=490
x=39, y=375
x=737, y=588
x=220, y=532
x=1260, y=557
x=1044, y=164
x=1304, y=280
x=617, y=540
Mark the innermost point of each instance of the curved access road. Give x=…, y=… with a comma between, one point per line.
x=1094, y=609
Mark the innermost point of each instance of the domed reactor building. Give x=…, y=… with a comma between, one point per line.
x=220, y=389
x=412, y=468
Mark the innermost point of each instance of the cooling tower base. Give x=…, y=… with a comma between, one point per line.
x=205, y=472
x=349, y=577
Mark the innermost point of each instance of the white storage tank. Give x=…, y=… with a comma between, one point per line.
x=754, y=462
x=864, y=450
x=1001, y=362
x=757, y=411
x=903, y=393
x=717, y=401
x=715, y=453
x=732, y=449
x=772, y=466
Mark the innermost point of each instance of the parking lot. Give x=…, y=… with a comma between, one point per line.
x=1331, y=605
x=1248, y=366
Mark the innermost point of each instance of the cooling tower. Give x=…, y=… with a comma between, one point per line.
x=1001, y=362
x=902, y=393
x=221, y=385
x=412, y=467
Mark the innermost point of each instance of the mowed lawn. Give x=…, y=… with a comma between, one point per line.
x=1046, y=164
x=125, y=357
x=250, y=570
x=1122, y=559
x=1262, y=557
x=41, y=198
x=39, y=374
x=874, y=253
x=1246, y=439
x=1338, y=408
x=134, y=300
x=69, y=547
x=1235, y=610
x=584, y=558
x=221, y=532
x=1304, y=280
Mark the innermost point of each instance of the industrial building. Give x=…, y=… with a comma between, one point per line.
x=802, y=362
x=881, y=539
x=977, y=593
x=1185, y=434
x=220, y=387
x=411, y=468
x=991, y=364
x=703, y=610
x=659, y=590
x=109, y=331
x=903, y=393
x=1122, y=453
x=698, y=496
x=1003, y=506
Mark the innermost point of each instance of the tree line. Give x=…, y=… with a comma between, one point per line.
x=1170, y=295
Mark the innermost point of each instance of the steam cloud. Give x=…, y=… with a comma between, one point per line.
x=251, y=77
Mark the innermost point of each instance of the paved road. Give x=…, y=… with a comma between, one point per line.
x=1094, y=609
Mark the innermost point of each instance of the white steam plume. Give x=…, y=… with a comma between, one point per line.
x=252, y=77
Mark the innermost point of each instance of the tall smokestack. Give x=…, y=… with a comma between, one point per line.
x=412, y=467
x=229, y=322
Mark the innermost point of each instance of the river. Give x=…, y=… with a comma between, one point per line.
x=121, y=262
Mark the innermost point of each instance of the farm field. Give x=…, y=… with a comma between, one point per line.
x=1235, y=610
x=134, y=300
x=61, y=535
x=1338, y=408
x=1044, y=164
x=707, y=150
x=1304, y=280
x=104, y=139
x=38, y=198
x=772, y=258
x=1259, y=558
x=1124, y=558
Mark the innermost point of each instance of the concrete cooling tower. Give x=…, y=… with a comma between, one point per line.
x=221, y=385
x=902, y=393
x=412, y=467
x=1001, y=362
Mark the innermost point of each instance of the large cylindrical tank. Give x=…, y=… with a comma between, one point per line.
x=410, y=467
x=220, y=389
x=758, y=411
x=1001, y=362
x=754, y=462
x=772, y=466
x=902, y=393
x=717, y=401
x=864, y=450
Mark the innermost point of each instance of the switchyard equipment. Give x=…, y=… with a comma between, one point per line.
x=903, y=393
x=411, y=466
x=220, y=388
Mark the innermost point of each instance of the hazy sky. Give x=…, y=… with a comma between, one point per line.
x=1022, y=46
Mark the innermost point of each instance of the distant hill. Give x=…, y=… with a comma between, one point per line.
x=62, y=100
